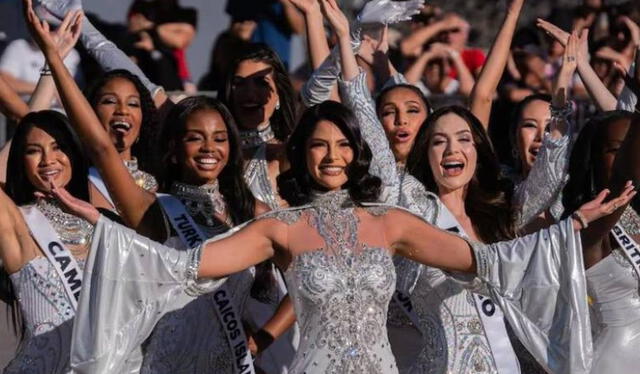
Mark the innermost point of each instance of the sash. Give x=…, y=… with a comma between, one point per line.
x=629, y=246
x=191, y=236
x=58, y=255
x=490, y=314
x=96, y=179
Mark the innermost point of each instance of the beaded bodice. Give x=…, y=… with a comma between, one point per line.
x=256, y=175
x=48, y=317
x=341, y=288
x=143, y=179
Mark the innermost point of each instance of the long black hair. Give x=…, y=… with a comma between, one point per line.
x=232, y=185
x=142, y=147
x=18, y=187
x=283, y=119
x=582, y=185
x=515, y=122
x=488, y=201
x=296, y=184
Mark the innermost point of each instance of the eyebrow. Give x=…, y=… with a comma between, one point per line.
x=457, y=133
x=115, y=94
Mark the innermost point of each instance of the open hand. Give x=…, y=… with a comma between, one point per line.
x=388, y=12
x=75, y=206
x=336, y=17
x=597, y=208
x=67, y=34
x=554, y=31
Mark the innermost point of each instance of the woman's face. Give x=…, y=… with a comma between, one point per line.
x=254, y=93
x=452, y=153
x=328, y=154
x=45, y=162
x=532, y=125
x=611, y=142
x=203, y=151
x=402, y=112
x=119, y=109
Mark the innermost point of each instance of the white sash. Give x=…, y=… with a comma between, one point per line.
x=58, y=255
x=191, y=236
x=629, y=246
x=490, y=314
x=96, y=179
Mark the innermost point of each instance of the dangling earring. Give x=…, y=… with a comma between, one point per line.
x=278, y=105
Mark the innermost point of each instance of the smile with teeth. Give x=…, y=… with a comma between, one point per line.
x=49, y=174
x=207, y=163
x=120, y=126
x=331, y=170
x=452, y=168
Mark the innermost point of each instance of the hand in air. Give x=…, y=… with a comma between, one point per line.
x=336, y=17
x=387, y=12
x=554, y=31
x=597, y=208
x=62, y=40
x=305, y=6
x=371, y=48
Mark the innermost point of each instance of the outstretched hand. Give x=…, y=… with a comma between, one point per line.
x=336, y=17
x=554, y=31
x=388, y=12
x=306, y=6
x=597, y=208
x=62, y=40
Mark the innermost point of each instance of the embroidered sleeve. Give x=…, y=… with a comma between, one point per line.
x=542, y=188
x=355, y=95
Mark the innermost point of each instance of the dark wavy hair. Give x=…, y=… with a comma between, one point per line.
x=283, y=119
x=582, y=185
x=18, y=187
x=295, y=185
x=21, y=191
x=232, y=185
x=410, y=87
x=142, y=148
x=515, y=121
x=488, y=201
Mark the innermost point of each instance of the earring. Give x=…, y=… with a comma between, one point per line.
x=278, y=105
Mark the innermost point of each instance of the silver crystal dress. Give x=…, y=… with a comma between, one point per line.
x=614, y=288
x=191, y=339
x=455, y=340
x=48, y=316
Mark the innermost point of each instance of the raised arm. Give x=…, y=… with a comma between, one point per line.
x=104, y=51
x=356, y=96
x=544, y=182
x=16, y=244
x=130, y=200
x=603, y=98
x=485, y=88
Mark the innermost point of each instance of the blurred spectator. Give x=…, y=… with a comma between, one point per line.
x=276, y=22
x=21, y=64
x=226, y=48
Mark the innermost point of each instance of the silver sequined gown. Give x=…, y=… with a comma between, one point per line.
x=453, y=339
x=614, y=288
x=192, y=339
x=48, y=316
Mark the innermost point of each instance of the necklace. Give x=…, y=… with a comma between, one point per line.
x=71, y=229
x=253, y=138
x=332, y=200
x=144, y=180
x=203, y=202
x=630, y=221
